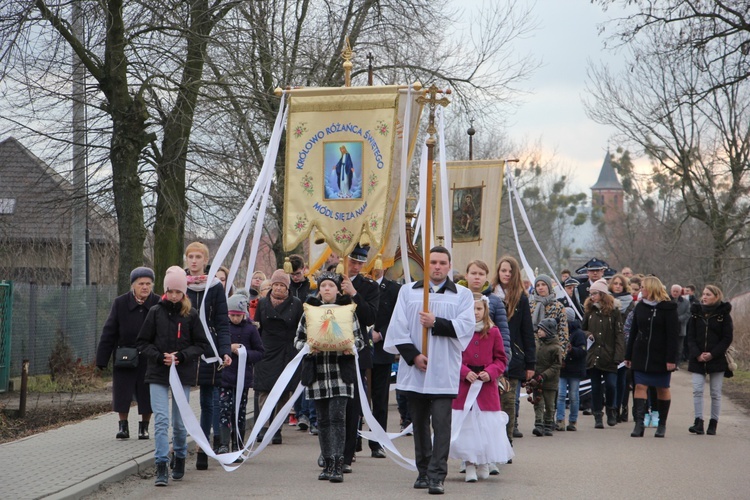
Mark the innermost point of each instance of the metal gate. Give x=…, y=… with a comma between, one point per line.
x=6, y=309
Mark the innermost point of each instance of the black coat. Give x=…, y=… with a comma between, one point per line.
x=574, y=360
x=654, y=337
x=709, y=331
x=121, y=329
x=522, y=342
x=166, y=330
x=278, y=328
x=300, y=290
x=388, y=294
x=367, y=300
x=217, y=319
x=246, y=334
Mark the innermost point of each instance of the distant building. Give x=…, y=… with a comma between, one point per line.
x=35, y=223
x=607, y=194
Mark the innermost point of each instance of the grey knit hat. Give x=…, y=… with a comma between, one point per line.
x=549, y=325
x=142, y=272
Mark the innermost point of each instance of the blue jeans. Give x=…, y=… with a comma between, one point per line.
x=210, y=410
x=610, y=389
x=569, y=387
x=304, y=406
x=160, y=405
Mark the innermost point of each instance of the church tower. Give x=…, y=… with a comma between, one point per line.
x=607, y=194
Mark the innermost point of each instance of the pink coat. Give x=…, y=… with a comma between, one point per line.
x=490, y=353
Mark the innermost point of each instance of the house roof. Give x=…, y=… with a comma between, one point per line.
x=36, y=202
x=607, y=176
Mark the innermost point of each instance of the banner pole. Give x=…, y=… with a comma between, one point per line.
x=431, y=99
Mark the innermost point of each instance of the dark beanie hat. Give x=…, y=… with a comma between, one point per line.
x=142, y=272
x=336, y=278
x=549, y=325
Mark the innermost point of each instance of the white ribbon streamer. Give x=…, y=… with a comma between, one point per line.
x=471, y=398
x=406, y=129
x=447, y=230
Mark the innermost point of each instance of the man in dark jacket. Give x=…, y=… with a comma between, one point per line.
x=299, y=286
x=366, y=294
x=217, y=320
x=594, y=269
x=382, y=361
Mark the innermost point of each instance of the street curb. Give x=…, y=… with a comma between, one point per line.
x=113, y=475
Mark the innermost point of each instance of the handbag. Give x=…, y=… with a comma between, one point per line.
x=731, y=363
x=126, y=357
x=503, y=384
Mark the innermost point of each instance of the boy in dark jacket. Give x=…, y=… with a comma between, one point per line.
x=573, y=369
x=242, y=333
x=543, y=385
x=172, y=334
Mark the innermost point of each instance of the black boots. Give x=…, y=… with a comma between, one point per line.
x=697, y=427
x=639, y=411
x=548, y=428
x=226, y=435
x=178, y=469
x=663, y=407
x=325, y=474
x=711, y=431
x=598, y=423
x=337, y=473
x=142, y=430
x=123, y=432
x=624, y=413
x=202, y=461
x=162, y=476
x=611, y=417
x=538, y=428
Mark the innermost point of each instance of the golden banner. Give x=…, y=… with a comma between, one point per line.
x=340, y=145
x=474, y=192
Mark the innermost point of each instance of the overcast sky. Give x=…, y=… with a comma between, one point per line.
x=567, y=37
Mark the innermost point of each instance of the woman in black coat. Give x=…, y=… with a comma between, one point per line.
x=278, y=316
x=652, y=351
x=709, y=335
x=121, y=330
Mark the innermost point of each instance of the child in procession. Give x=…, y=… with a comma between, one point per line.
x=172, y=334
x=482, y=438
x=573, y=369
x=242, y=333
x=542, y=388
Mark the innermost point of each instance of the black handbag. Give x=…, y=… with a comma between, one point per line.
x=126, y=357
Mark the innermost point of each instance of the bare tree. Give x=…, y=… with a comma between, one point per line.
x=697, y=141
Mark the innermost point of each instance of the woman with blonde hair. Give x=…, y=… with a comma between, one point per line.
x=652, y=351
x=603, y=322
x=709, y=335
x=507, y=285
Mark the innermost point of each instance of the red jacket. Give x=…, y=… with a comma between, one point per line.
x=485, y=352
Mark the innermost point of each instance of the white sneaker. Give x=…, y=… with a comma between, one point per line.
x=494, y=469
x=471, y=473
x=462, y=467
x=483, y=471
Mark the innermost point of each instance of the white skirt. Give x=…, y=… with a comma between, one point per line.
x=482, y=438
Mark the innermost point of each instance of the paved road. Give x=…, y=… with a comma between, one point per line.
x=588, y=463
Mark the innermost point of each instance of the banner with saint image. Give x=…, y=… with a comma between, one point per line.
x=474, y=195
x=339, y=154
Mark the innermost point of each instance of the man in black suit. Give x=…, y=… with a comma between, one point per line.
x=366, y=294
x=382, y=361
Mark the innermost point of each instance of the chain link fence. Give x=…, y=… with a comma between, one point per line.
x=44, y=315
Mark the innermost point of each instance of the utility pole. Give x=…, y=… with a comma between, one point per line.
x=79, y=220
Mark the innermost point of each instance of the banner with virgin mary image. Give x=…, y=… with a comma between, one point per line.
x=474, y=195
x=339, y=165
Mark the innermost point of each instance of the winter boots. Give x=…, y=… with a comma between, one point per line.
x=516, y=432
x=538, y=428
x=337, y=474
x=611, y=416
x=325, y=474
x=123, y=432
x=639, y=412
x=548, y=428
x=697, y=427
x=571, y=427
x=624, y=413
x=226, y=435
x=711, y=431
x=598, y=423
x=202, y=461
x=178, y=469
x=560, y=426
x=143, y=430
x=663, y=406
x=162, y=476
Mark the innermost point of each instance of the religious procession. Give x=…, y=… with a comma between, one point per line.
x=380, y=293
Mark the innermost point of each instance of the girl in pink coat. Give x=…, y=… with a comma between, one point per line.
x=479, y=436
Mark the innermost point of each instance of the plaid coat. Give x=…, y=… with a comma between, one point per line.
x=335, y=373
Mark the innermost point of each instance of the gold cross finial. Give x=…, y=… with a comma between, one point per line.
x=347, y=55
x=430, y=98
